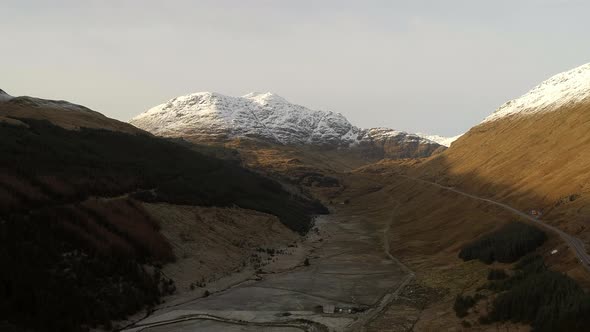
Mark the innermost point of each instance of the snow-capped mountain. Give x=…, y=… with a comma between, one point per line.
x=382, y=134
x=442, y=140
x=259, y=115
x=208, y=115
x=532, y=151
x=563, y=89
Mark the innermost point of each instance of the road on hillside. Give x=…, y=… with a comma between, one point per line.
x=576, y=244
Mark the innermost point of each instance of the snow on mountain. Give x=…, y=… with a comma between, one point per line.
x=381, y=134
x=563, y=89
x=258, y=115
x=263, y=115
x=442, y=140
x=4, y=96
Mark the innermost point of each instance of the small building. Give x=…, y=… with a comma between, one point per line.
x=328, y=308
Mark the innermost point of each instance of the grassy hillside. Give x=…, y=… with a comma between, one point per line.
x=534, y=162
x=60, y=113
x=78, y=250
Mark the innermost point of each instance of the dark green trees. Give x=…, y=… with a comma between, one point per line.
x=505, y=245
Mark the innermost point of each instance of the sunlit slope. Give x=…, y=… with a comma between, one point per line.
x=532, y=156
x=59, y=112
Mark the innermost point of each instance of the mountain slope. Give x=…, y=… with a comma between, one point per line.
x=532, y=153
x=207, y=116
x=559, y=92
x=265, y=116
x=77, y=240
x=60, y=113
x=380, y=143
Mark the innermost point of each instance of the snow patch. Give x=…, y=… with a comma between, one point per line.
x=563, y=89
x=383, y=134
x=442, y=140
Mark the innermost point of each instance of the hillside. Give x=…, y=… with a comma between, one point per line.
x=60, y=113
x=80, y=239
x=531, y=153
x=216, y=118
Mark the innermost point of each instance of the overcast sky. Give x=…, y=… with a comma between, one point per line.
x=422, y=66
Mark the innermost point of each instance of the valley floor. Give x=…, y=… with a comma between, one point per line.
x=353, y=265
x=349, y=272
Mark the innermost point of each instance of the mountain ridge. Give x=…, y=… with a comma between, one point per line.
x=210, y=116
x=59, y=112
x=558, y=91
x=442, y=140
x=530, y=153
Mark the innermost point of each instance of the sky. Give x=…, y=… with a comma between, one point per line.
x=435, y=67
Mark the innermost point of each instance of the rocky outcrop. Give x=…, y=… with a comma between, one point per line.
x=380, y=143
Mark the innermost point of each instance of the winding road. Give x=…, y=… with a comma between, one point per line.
x=574, y=243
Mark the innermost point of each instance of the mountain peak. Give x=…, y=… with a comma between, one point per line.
x=261, y=115
x=202, y=96
x=265, y=98
x=565, y=88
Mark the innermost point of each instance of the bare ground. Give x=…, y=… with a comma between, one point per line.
x=348, y=269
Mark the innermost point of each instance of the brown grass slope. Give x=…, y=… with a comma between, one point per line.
x=540, y=161
x=425, y=227
x=210, y=242
x=60, y=113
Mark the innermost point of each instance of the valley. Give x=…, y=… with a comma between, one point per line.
x=350, y=278
x=294, y=166
x=251, y=213
x=381, y=252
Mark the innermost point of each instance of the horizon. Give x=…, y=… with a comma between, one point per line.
x=380, y=65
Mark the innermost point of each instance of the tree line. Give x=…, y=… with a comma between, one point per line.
x=505, y=245
x=71, y=262
x=530, y=293
x=548, y=300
